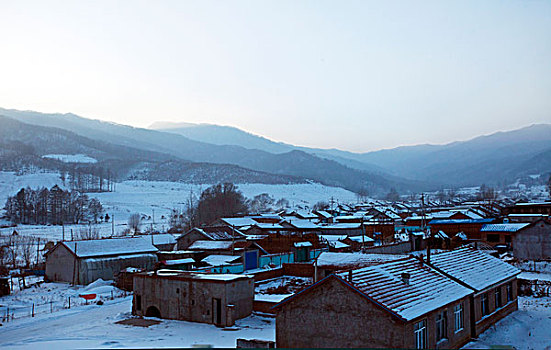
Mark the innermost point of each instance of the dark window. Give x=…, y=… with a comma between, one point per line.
x=492, y=238
x=138, y=302
x=484, y=307
x=441, y=326
x=498, y=297
x=509, y=291
x=507, y=239
x=177, y=290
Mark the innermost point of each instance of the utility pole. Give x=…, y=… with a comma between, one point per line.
x=232, y=240
x=113, y=226
x=363, y=234
x=424, y=226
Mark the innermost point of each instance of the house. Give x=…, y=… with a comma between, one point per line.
x=471, y=227
x=533, y=242
x=495, y=234
x=213, y=233
x=218, y=299
x=82, y=262
x=493, y=282
x=399, y=304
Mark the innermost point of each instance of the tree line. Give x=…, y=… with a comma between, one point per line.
x=52, y=206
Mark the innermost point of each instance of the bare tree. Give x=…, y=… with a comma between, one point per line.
x=134, y=222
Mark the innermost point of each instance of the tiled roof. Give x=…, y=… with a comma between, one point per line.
x=426, y=290
x=503, y=227
x=473, y=267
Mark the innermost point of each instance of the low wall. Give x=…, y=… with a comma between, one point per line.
x=264, y=307
x=267, y=274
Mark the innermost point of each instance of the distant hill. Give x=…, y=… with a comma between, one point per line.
x=316, y=168
x=496, y=158
x=24, y=145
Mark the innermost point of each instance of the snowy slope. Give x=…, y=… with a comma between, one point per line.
x=144, y=197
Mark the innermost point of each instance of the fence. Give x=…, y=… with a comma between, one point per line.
x=12, y=312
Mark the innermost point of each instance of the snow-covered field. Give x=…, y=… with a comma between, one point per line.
x=154, y=198
x=71, y=158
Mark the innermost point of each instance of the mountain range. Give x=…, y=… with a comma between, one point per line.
x=212, y=153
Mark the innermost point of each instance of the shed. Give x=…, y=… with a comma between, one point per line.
x=82, y=262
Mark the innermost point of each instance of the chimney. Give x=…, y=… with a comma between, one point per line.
x=349, y=275
x=405, y=277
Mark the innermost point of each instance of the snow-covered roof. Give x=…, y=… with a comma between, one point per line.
x=164, y=238
x=179, y=261
x=219, y=233
x=268, y=226
x=460, y=221
x=341, y=226
x=219, y=260
x=323, y=214
x=239, y=222
x=112, y=246
x=330, y=259
x=210, y=245
x=301, y=224
x=339, y=245
x=503, y=227
x=302, y=244
x=360, y=239
x=473, y=267
x=441, y=234
x=424, y=291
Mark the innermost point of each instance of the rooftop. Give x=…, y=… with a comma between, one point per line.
x=473, y=267
x=112, y=246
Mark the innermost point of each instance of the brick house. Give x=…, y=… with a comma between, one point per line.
x=399, y=304
x=493, y=282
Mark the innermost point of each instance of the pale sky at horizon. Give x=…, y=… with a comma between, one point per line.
x=354, y=75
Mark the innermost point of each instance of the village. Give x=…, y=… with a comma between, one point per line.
x=379, y=274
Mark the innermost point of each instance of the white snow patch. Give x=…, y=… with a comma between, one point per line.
x=71, y=158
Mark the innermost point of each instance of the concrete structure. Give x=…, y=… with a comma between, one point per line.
x=533, y=242
x=82, y=262
x=218, y=299
x=400, y=304
x=493, y=282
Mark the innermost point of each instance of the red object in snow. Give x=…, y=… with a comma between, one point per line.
x=88, y=296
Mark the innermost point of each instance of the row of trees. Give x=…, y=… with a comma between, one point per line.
x=88, y=178
x=52, y=206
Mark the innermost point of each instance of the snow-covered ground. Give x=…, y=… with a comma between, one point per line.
x=154, y=200
x=527, y=328
x=94, y=326
x=71, y=158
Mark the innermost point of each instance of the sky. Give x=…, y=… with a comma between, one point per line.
x=354, y=75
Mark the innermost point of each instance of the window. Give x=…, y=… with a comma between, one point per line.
x=138, y=302
x=498, y=297
x=420, y=331
x=484, y=307
x=458, y=317
x=509, y=291
x=441, y=326
x=492, y=238
x=507, y=239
